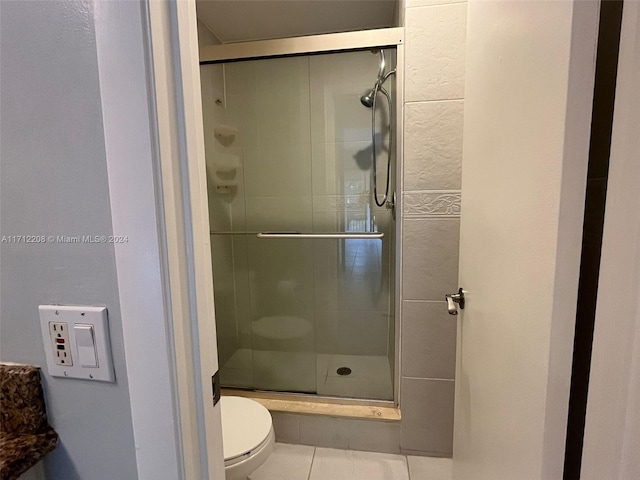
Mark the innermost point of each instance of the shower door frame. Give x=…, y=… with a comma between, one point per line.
x=338, y=43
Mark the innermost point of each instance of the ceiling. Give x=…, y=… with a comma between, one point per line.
x=243, y=20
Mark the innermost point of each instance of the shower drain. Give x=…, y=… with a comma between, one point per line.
x=344, y=371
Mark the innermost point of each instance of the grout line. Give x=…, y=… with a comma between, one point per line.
x=409, y=7
x=313, y=457
x=418, y=102
x=406, y=458
x=432, y=378
x=424, y=301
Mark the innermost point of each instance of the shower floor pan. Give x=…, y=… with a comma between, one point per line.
x=370, y=376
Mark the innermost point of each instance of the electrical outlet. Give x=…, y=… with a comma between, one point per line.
x=76, y=342
x=59, y=333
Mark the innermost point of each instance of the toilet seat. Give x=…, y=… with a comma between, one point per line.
x=246, y=428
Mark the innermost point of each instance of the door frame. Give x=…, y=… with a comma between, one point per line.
x=612, y=429
x=174, y=72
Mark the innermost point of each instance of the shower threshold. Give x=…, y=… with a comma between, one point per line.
x=316, y=405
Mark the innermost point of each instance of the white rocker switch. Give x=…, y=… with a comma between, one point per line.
x=85, y=341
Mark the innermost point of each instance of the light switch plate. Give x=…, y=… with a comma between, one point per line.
x=72, y=316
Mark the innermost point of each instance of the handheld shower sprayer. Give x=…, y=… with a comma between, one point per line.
x=369, y=101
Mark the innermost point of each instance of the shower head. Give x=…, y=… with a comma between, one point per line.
x=367, y=98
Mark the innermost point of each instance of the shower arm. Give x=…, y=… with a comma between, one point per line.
x=383, y=66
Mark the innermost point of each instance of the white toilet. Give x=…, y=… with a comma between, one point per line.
x=247, y=436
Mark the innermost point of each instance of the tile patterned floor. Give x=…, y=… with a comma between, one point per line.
x=302, y=462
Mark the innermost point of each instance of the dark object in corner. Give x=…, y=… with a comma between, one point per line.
x=25, y=434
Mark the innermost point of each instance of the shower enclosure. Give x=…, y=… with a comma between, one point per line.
x=303, y=257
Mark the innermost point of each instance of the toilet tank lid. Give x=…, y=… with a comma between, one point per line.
x=245, y=425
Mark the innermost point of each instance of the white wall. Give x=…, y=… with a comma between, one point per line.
x=54, y=182
x=612, y=430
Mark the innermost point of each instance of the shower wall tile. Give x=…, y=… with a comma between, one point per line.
x=291, y=213
x=350, y=275
x=323, y=431
x=283, y=170
x=284, y=117
x=242, y=290
x=337, y=114
x=219, y=209
x=280, y=276
x=238, y=370
x=430, y=258
x=344, y=433
x=427, y=415
x=278, y=74
x=342, y=168
x=242, y=113
x=286, y=427
x=435, y=52
x=352, y=332
x=428, y=340
x=431, y=203
x=241, y=78
x=357, y=67
x=433, y=145
x=226, y=314
x=373, y=436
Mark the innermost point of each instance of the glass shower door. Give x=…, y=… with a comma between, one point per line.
x=289, y=161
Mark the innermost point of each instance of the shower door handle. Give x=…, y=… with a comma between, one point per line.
x=339, y=235
x=453, y=299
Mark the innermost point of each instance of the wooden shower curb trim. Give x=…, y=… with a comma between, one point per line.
x=328, y=406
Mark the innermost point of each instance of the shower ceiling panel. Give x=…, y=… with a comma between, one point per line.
x=245, y=20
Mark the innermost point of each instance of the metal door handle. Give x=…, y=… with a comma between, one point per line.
x=454, y=298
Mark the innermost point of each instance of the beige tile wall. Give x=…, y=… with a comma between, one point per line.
x=434, y=89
